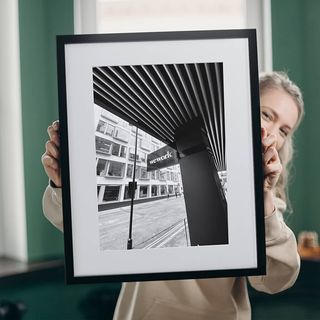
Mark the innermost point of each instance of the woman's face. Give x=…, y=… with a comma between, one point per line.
x=279, y=114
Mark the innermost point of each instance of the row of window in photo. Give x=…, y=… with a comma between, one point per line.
x=113, y=131
x=108, y=147
x=108, y=193
x=108, y=168
x=145, y=141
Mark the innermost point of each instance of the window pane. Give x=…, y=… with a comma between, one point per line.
x=103, y=145
x=141, y=15
x=115, y=149
x=126, y=193
x=101, y=126
x=163, y=190
x=116, y=169
x=162, y=175
x=122, y=135
x=138, y=172
x=154, y=191
x=101, y=166
x=123, y=151
x=129, y=170
x=143, y=191
x=143, y=156
x=145, y=144
x=131, y=154
x=110, y=129
x=111, y=193
x=143, y=173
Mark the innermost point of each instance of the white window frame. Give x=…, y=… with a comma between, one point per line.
x=258, y=17
x=13, y=225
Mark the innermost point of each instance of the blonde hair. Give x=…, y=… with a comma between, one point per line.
x=280, y=80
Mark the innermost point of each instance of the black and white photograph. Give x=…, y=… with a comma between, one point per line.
x=181, y=106
x=160, y=150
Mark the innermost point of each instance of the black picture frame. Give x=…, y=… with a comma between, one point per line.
x=235, y=53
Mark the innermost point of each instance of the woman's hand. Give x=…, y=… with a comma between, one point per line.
x=51, y=158
x=272, y=168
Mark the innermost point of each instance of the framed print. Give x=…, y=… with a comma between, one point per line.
x=161, y=155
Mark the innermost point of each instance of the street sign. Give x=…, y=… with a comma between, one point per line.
x=162, y=158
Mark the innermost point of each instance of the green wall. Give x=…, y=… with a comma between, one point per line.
x=40, y=21
x=296, y=49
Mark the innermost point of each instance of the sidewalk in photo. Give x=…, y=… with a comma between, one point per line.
x=160, y=223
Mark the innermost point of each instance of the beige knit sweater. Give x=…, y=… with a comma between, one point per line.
x=218, y=299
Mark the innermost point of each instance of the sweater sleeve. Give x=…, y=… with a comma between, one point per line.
x=283, y=261
x=52, y=206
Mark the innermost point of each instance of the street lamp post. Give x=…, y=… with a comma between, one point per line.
x=132, y=190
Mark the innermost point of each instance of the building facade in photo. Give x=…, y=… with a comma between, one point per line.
x=115, y=150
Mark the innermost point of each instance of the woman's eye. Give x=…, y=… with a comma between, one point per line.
x=266, y=116
x=283, y=133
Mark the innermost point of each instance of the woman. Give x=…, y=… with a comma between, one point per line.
x=221, y=298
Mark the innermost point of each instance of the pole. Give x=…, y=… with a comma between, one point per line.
x=129, y=243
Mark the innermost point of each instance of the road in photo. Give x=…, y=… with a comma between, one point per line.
x=156, y=224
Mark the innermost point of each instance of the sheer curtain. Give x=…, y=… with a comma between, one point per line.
x=113, y=16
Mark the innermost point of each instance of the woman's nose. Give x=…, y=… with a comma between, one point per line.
x=271, y=129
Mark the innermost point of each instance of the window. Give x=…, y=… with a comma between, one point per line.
x=162, y=175
x=111, y=193
x=101, y=167
x=110, y=129
x=143, y=173
x=170, y=189
x=126, y=193
x=124, y=16
x=101, y=126
x=163, y=190
x=107, y=147
x=122, y=135
x=103, y=145
x=138, y=168
x=123, y=151
x=143, y=156
x=129, y=171
x=153, y=175
x=154, y=147
x=105, y=128
x=145, y=144
x=116, y=169
x=131, y=154
x=141, y=15
x=154, y=191
x=143, y=191
x=115, y=149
